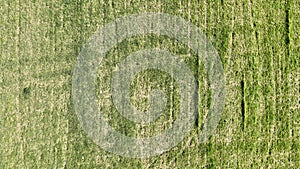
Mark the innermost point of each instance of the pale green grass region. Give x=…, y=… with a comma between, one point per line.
x=259, y=45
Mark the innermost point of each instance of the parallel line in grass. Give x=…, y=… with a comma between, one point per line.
x=268, y=89
x=287, y=56
x=293, y=80
x=238, y=43
x=19, y=115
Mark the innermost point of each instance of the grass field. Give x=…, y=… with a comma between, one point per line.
x=259, y=45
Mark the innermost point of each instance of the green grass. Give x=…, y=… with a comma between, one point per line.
x=259, y=45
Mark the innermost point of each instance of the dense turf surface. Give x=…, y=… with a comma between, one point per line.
x=258, y=42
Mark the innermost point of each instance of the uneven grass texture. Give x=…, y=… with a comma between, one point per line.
x=259, y=45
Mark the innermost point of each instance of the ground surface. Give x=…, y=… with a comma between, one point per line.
x=258, y=42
